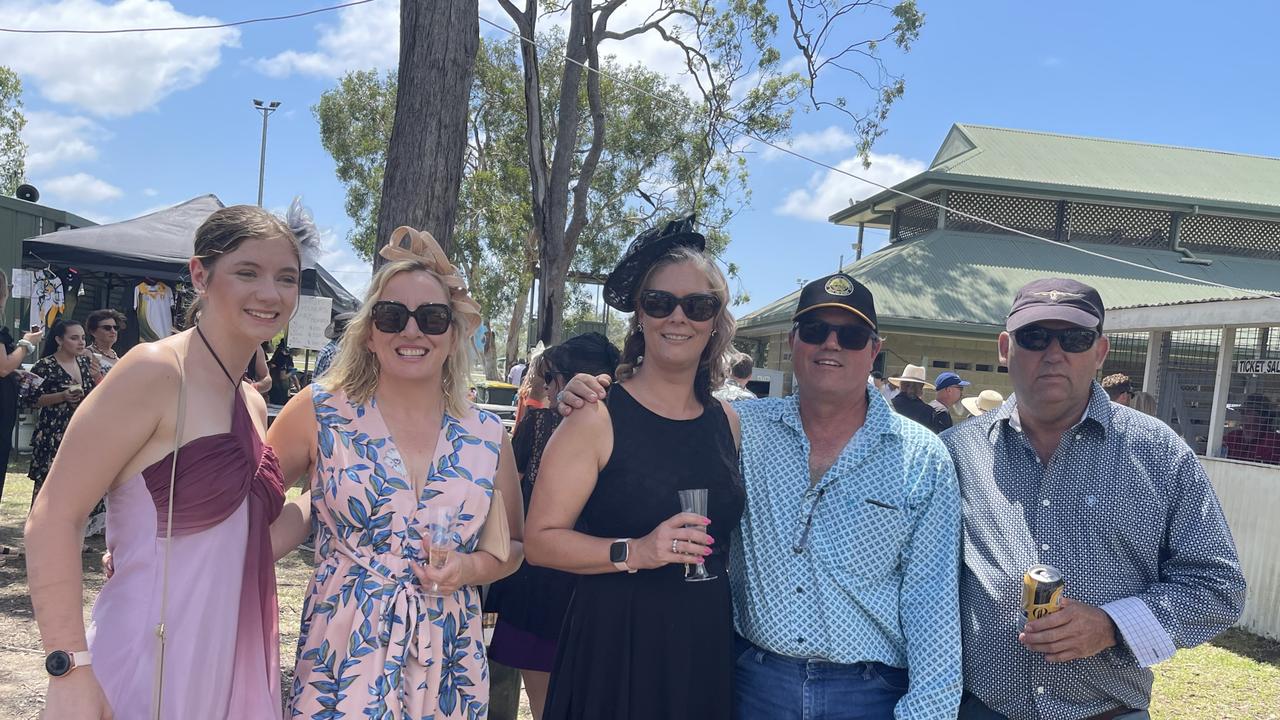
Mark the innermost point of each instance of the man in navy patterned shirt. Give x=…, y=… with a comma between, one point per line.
x=1113, y=498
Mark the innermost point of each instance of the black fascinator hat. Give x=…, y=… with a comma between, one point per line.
x=642, y=253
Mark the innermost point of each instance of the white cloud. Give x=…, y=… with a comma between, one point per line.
x=55, y=141
x=110, y=75
x=830, y=191
x=833, y=139
x=79, y=189
x=150, y=192
x=366, y=36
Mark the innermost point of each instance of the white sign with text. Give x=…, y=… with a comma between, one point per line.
x=306, y=329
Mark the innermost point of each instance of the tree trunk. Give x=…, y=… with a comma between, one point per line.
x=438, y=44
x=515, y=328
x=489, y=355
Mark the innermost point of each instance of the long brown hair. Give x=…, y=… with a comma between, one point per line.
x=227, y=229
x=711, y=366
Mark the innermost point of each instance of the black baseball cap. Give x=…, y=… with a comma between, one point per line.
x=1056, y=299
x=838, y=291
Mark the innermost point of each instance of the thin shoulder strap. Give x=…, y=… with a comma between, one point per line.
x=158, y=685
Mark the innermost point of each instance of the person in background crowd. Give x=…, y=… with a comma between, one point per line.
x=330, y=350
x=908, y=403
x=1255, y=439
x=532, y=393
x=1118, y=388
x=472, y=394
x=257, y=372
x=878, y=547
x=949, y=388
x=983, y=403
x=639, y=642
x=281, y=371
x=67, y=378
x=887, y=390
x=388, y=445
x=1143, y=402
x=14, y=354
x=104, y=328
x=215, y=579
x=531, y=603
x=1112, y=498
x=735, y=385
x=516, y=375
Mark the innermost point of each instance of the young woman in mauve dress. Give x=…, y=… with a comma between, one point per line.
x=221, y=650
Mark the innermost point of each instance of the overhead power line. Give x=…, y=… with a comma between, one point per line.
x=741, y=130
x=119, y=31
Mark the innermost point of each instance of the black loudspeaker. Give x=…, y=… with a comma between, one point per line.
x=28, y=193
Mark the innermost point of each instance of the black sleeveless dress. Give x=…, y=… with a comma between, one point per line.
x=649, y=645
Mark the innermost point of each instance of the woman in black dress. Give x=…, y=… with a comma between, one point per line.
x=639, y=641
x=531, y=603
x=15, y=352
x=67, y=379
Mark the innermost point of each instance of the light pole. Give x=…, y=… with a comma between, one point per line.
x=267, y=109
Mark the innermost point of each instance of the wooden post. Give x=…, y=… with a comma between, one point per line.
x=1221, y=388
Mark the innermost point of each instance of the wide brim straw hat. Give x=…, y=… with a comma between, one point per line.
x=912, y=373
x=984, y=402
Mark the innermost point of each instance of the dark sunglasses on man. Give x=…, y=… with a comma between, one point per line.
x=850, y=337
x=1072, y=340
x=698, y=307
x=390, y=316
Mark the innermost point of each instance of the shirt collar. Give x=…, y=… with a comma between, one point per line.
x=1097, y=413
x=879, y=421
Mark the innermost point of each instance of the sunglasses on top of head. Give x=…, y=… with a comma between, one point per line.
x=1072, y=340
x=390, y=316
x=850, y=337
x=698, y=307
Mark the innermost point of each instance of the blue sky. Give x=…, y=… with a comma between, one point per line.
x=124, y=125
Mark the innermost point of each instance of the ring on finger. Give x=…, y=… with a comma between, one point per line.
x=674, y=551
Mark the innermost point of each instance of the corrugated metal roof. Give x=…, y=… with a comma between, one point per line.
x=992, y=159
x=1116, y=165
x=970, y=278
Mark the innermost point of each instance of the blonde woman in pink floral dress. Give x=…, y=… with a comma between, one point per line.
x=386, y=437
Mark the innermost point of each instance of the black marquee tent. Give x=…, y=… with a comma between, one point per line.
x=157, y=246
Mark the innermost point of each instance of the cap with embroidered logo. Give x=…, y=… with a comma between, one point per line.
x=838, y=291
x=1056, y=299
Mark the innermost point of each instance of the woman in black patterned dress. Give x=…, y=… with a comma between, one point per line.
x=67, y=379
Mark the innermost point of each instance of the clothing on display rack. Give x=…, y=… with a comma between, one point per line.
x=48, y=300
x=154, y=303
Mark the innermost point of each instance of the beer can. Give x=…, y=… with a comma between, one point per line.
x=1042, y=588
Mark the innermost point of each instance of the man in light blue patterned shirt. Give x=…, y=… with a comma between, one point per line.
x=844, y=576
x=1113, y=498
x=844, y=579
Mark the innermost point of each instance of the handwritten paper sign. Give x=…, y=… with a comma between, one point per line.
x=306, y=329
x=20, y=282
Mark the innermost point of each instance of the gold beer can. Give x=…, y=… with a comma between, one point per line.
x=1042, y=588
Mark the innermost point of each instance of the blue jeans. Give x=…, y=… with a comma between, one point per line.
x=775, y=687
x=971, y=708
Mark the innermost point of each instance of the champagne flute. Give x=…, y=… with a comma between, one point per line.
x=440, y=543
x=695, y=501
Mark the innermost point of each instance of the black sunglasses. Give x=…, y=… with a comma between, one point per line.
x=698, y=307
x=392, y=317
x=850, y=337
x=1072, y=340
x=111, y=328
x=550, y=377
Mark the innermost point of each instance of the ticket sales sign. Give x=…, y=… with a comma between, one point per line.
x=1264, y=367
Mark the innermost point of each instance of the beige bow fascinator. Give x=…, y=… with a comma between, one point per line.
x=419, y=245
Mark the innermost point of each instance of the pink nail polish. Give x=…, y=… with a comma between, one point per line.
x=706, y=551
x=711, y=539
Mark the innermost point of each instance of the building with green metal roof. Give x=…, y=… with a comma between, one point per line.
x=1110, y=213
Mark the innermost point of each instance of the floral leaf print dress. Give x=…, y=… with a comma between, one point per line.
x=372, y=645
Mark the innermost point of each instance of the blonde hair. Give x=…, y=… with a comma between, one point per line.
x=711, y=367
x=356, y=370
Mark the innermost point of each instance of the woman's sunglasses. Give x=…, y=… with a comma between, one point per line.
x=108, y=328
x=850, y=337
x=1072, y=340
x=392, y=317
x=698, y=307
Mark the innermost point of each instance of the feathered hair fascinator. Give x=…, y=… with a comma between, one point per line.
x=304, y=229
x=407, y=243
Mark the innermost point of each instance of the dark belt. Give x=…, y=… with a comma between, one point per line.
x=1110, y=714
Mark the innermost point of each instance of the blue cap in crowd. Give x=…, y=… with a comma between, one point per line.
x=948, y=379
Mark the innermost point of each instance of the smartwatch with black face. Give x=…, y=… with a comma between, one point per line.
x=61, y=662
x=619, y=551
